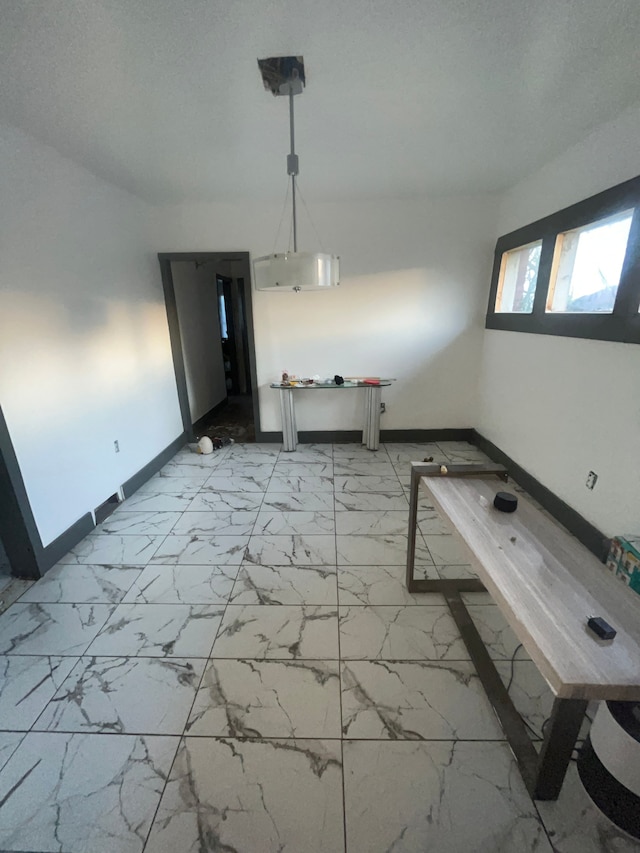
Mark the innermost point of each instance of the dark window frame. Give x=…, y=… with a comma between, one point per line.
x=623, y=324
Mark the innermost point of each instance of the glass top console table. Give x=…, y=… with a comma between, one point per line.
x=373, y=393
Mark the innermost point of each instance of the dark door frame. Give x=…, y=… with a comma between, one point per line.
x=165, y=259
x=245, y=337
x=18, y=529
x=28, y=557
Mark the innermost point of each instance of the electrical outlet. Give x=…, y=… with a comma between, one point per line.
x=592, y=479
x=383, y=407
x=116, y=446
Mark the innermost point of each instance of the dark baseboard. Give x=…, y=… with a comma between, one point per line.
x=140, y=478
x=314, y=436
x=354, y=436
x=202, y=422
x=60, y=546
x=34, y=559
x=427, y=435
x=102, y=512
x=582, y=529
x=49, y=556
x=268, y=437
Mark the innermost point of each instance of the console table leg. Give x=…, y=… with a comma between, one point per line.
x=560, y=740
x=372, y=421
x=288, y=412
x=367, y=409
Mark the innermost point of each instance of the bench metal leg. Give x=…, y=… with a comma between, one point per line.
x=542, y=774
x=413, y=527
x=559, y=742
x=510, y=720
x=288, y=412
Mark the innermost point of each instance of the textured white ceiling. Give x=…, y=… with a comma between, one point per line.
x=403, y=97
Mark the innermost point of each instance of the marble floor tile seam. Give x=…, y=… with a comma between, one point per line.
x=214, y=659
x=75, y=668
x=391, y=477
x=77, y=652
x=90, y=558
x=347, y=605
x=188, y=512
x=185, y=732
x=144, y=604
x=342, y=714
x=333, y=606
x=240, y=492
x=305, y=659
x=86, y=653
x=229, y=531
x=342, y=772
x=80, y=668
x=399, y=660
x=180, y=740
x=181, y=654
x=101, y=601
x=442, y=605
x=184, y=737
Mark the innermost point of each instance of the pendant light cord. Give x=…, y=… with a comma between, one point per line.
x=306, y=210
x=284, y=207
x=293, y=171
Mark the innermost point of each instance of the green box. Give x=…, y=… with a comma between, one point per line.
x=624, y=560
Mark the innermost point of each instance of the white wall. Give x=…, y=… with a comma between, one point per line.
x=84, y=346
x=561, y=407
x=197, y=303
x=410, y=306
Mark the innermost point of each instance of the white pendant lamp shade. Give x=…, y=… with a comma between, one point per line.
x=284, y=76
x=296, y=271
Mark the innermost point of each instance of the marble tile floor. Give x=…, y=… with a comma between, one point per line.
x=232, y=662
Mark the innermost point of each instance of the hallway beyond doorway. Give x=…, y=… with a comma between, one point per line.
x=235, y=420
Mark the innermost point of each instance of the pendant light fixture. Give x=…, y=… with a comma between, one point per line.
x=284, y=77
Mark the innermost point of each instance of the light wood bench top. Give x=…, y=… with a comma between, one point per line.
x=547, y=584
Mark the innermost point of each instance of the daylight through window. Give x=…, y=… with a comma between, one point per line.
x=518, y=278
x=587, y=266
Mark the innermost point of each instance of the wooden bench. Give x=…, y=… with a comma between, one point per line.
x=546, y=584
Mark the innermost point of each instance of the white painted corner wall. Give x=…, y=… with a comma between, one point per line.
x=85, y=357
x=196, y=295
x=410, y=306
x=562, y=407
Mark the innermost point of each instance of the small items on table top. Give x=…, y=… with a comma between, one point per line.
x=291, y=380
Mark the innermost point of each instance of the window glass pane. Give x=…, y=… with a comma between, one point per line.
x=518, y=278
x=587, y=266
x=223, y=317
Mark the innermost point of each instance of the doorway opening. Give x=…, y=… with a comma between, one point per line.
x=236, y=419
x=209, y=310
